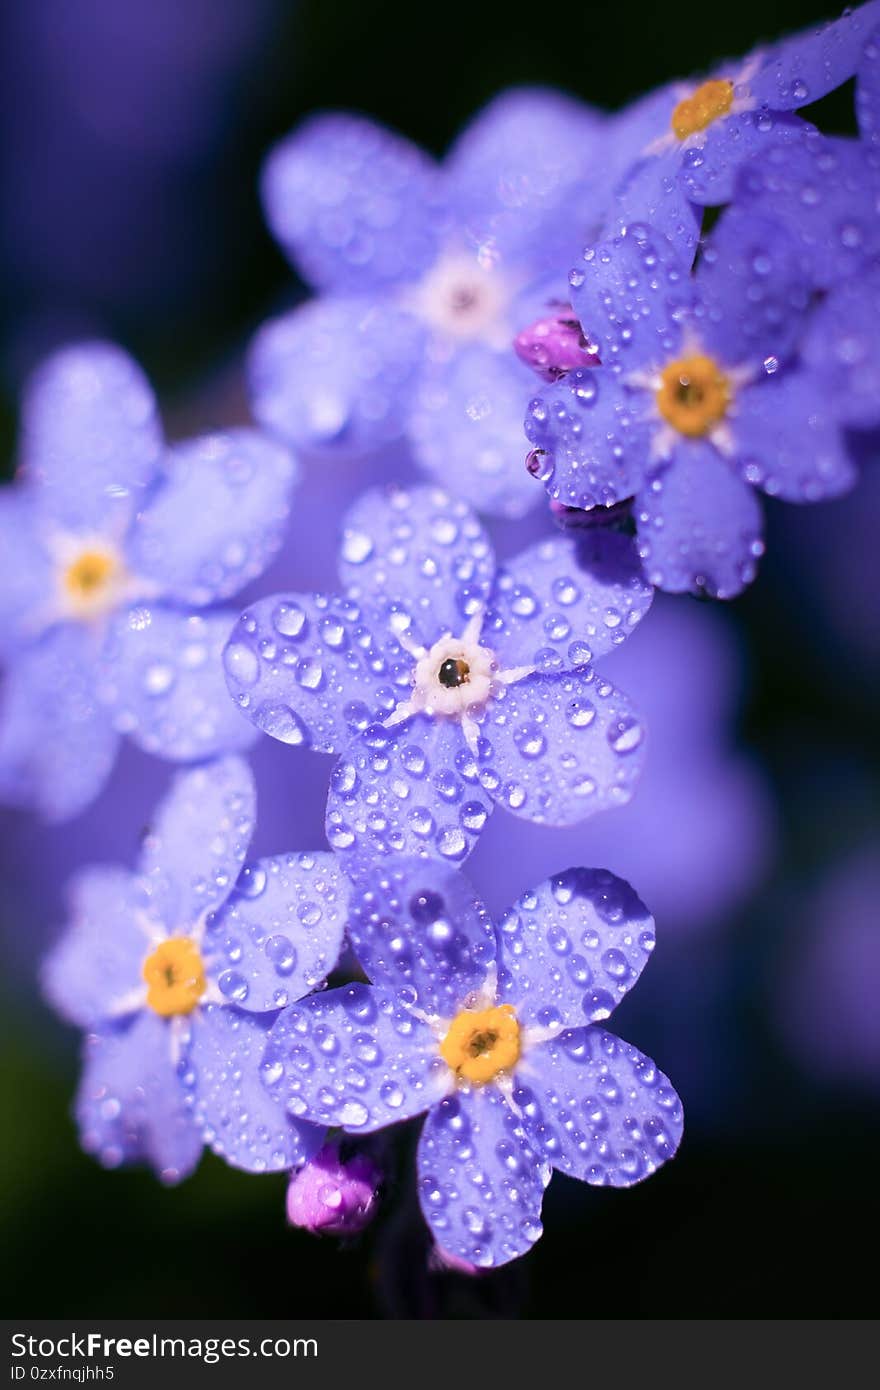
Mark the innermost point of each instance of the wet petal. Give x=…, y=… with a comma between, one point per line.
x=218, y=517
x=708, y=172
x=355, y=1057
x=409, y=790
x=842, y=348
x=97, y=963
x=573, y=947
x=806, y=66
x=26, y=577
x=130, y=1105
x=281, y=931
x=597, y=1108
x=481, y=1183
x=334, y=376
x=626, y=291
x=197, y=842
x=91, y=437
x=566, y=601
x=788, y=441
x=418, y=925
x=699, y=525
x=352, y=204
x=557, y=749
x=235, y=1114
x=164, y=686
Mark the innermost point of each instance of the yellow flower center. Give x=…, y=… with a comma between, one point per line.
x=481, y=1043
x=711, y=100
x=89, y=580
x=175, y=977
x=694, y=394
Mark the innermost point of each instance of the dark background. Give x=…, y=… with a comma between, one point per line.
x=769, y=1207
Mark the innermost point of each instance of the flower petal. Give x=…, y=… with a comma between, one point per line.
x=787, y=439
x=595, y=436
x=699, y=525
x=352, y=204
x=481, y=1183
x=334, y=375
x=565, y=601
x=233, y=1111
x=466, y=430
x=418, y=925
x=163, y=683
x=626, y=291
x=410, y=790
x=281, y=931
x=91, y=437
x=868, y=91
x=806, y=66
x=97, y=964
x=573, y=947
x=652, y=195
x=355, y=1057
x=597, y=1108
x=315, y=669
x=197, y=842
x=26, y=577
x=842, y=348
x=218, y=517
x=557, y=749
x=130, y=1105
x=417, y=551
x=57, y=742
x=708, y=172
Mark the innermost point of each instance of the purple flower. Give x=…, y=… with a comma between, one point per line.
x=699, y=397
x=110, y=543
x=495, y=1035
x=334, y=1196
x=176, y=973
x=427, y=272
x=699, y=134
x=448, y=686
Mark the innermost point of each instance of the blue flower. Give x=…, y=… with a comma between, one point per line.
x=448, y=686
x=700, y=134
x=700, y=397
x=109, y=544
x=427, y=272
x=177, y=971
x=496, y=1036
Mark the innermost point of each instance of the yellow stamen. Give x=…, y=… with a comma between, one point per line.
x=481, y=1043
x=711, y=100
x=175, y=977
x=694, y=394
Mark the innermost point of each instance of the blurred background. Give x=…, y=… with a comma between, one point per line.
x=130, y=142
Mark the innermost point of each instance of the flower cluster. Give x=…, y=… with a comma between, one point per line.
x=554, y=264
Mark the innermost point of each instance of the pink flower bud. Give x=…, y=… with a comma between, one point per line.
x=332, y=1196
x=553, y=345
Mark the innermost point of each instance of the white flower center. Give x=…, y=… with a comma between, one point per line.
x=461, y=298
x=454, y=679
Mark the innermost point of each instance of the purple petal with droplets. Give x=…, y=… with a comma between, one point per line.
x=868, y=92
x=597, y=1108
x=98, y=962
x=352, y=204
x=806, y=66
x=557, y=749
x=842, y=349
x=334, y=376
x=234, y=1113
x=699, y=525
x=163, y=683
x=355, y=1057
x=418, y=551
x=197, y=842
x=26, y=577
x=91, y=437
x=410, y=790
x=627, y=291
x=316, y=669
x=57, y=743
x=418, y=925
x=466, y=430
x=708, y=172
x=788, y=441
x=566, y=601
x=280, y=932
x=218, y=517
x=130, y=1105
x=571, y=948
x=481, y=1183
x=652, y=196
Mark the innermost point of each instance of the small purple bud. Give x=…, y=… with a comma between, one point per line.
x=552, y=346
x=334, y=1197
